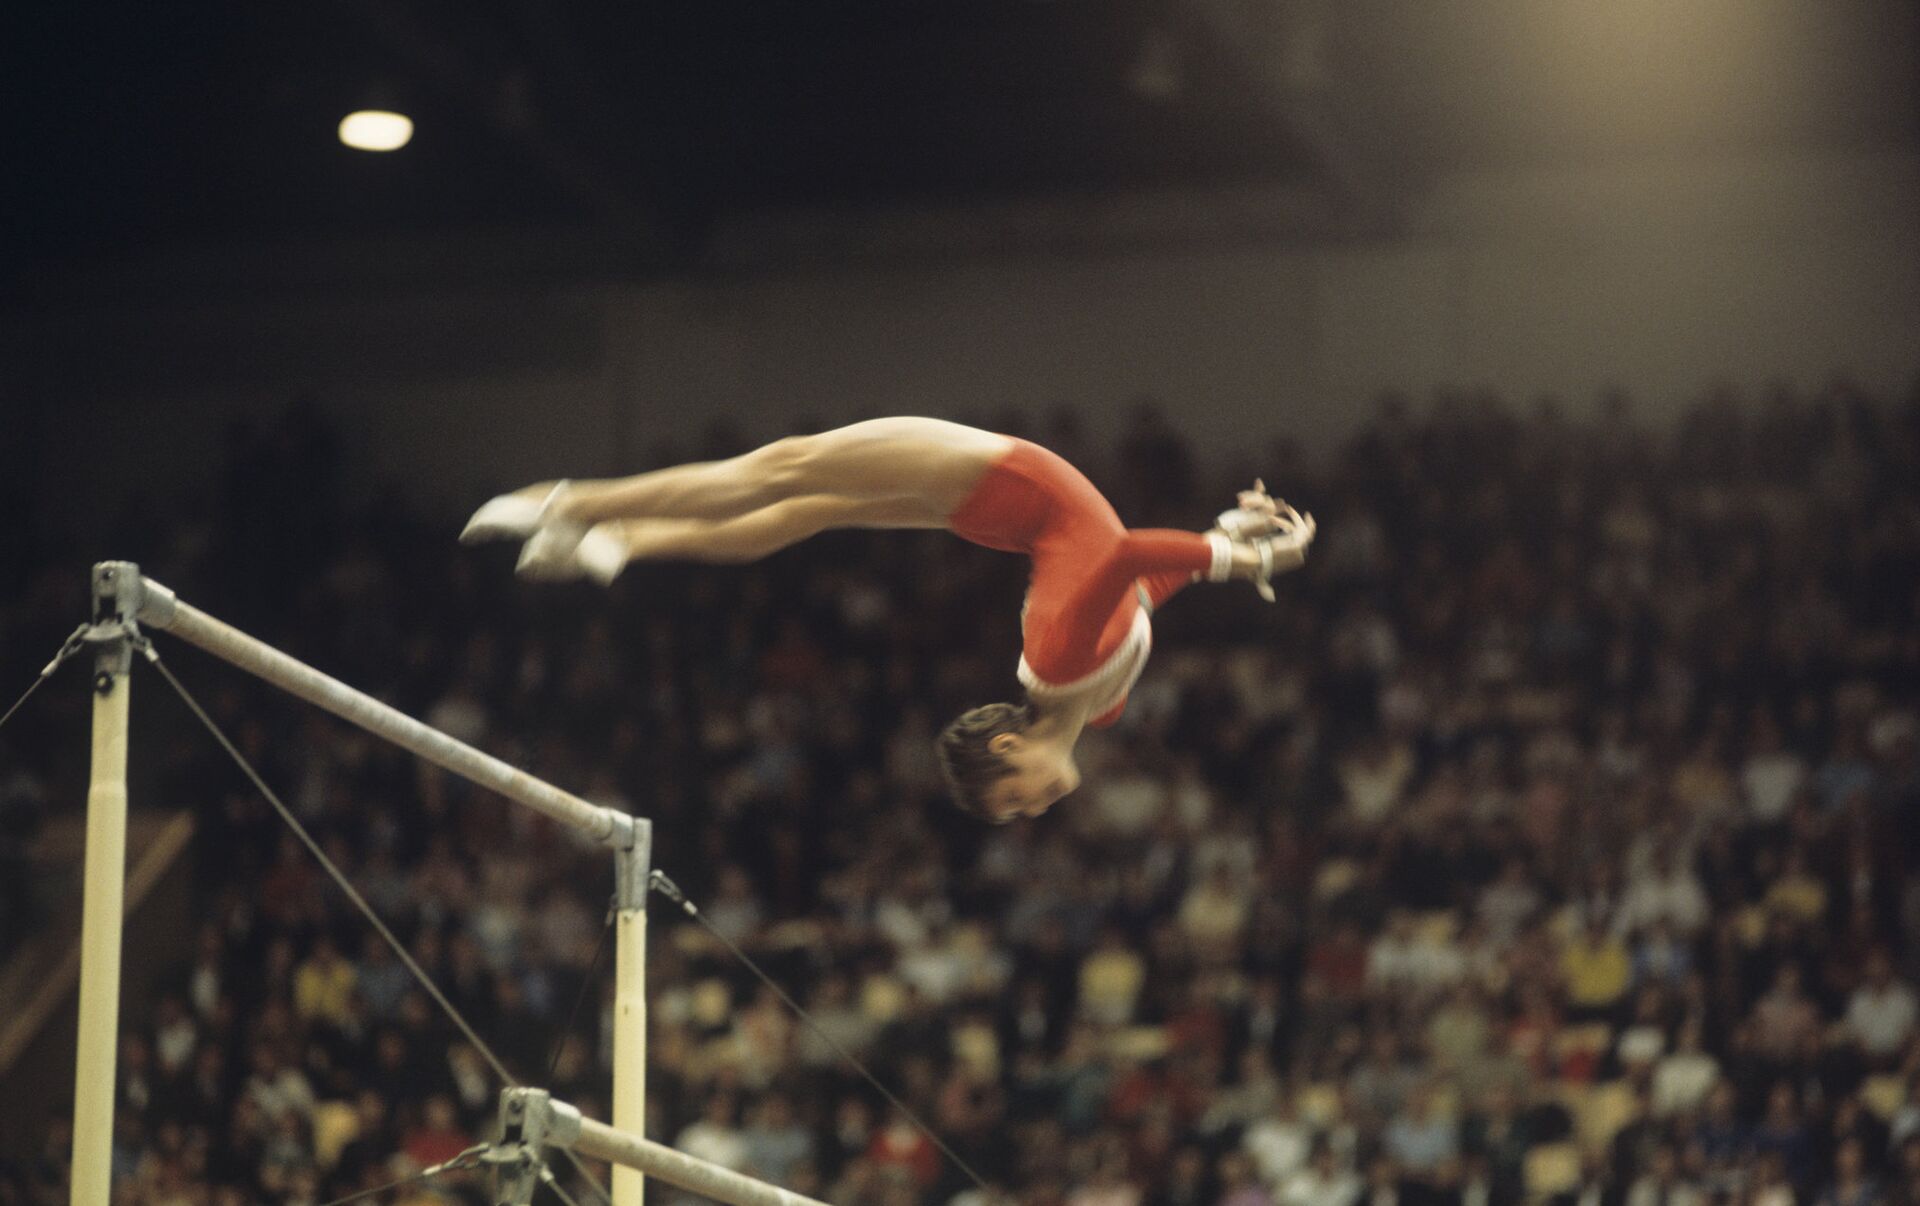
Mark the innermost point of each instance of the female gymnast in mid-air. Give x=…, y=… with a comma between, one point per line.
x=1093, y=583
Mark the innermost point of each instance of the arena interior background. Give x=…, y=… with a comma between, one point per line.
x=1548, y=231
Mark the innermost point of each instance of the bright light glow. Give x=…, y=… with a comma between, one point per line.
x=376, y=130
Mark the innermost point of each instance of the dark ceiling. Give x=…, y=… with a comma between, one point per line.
x=136, y=126
x=158, y=123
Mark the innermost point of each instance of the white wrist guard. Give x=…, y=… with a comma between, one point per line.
x=1220, y=569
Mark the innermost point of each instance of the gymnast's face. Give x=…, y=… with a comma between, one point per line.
x=1043, y=771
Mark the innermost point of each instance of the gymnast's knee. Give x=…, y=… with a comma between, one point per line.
x=784, y=466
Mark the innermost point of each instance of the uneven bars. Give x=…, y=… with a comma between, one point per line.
x=159, y=607
x=155, y=606
x=675, y=1167
x=532, y=1119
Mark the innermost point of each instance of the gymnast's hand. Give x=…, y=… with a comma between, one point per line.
x=1292, y=533
x=1257, y=514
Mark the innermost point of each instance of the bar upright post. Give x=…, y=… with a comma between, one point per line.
x=103, y=885
x=633, y=863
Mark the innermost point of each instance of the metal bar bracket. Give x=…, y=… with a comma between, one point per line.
x=530, y=1121
x=632, y=862
x=114, y=630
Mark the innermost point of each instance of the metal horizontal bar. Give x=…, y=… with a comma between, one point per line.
x=160, y=608
x=602, y=1142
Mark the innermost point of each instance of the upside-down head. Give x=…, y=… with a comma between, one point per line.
x=1000, y=767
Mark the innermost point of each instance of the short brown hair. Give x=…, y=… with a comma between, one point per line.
x=970, y=766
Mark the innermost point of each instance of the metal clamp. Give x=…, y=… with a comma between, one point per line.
x=632, y=863
x=530, y=1122
x=659, y=882
x=114, y=632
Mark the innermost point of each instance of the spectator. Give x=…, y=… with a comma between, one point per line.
x=1847, y=774
x=1107, y=1184
x=775, y=1144
x=1322, y=1182
x=1666, y=893
x=1238, y=1187
x=715, y=1137
x=1782, y=1136
x=1422, y=1141
x=1111, y=977
x=1508, y=903
x=323, y=987
x=1882, y=1011
x=1798, y=894
x=1597, y=969
x=901, y=1145
x=276, y=1088
x=1683, y=1078
x=1279, y=1143
x=1785, y=1020
x=1850, y=1186
x=1774, y=775
x=1214, y=915
x=1664, y=1183
x=437, y=1138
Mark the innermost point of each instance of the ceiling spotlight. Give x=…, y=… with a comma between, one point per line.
x=376, y=130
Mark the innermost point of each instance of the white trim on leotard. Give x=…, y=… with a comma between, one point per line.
x=1110, y=682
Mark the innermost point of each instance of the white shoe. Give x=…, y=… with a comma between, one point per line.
x=602, y=554
x=510, y=517
x=561, y=550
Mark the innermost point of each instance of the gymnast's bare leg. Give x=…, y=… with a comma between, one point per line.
x=903, y=472
x=931, y=460
x=756, y=534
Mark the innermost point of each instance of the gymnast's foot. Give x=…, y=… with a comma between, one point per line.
x=560, y=550
x=515, y=516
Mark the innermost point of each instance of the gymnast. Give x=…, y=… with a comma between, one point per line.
x=1093, y=583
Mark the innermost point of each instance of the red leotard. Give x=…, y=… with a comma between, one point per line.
x=1084, y=627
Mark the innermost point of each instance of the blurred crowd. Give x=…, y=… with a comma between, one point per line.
x=1552, y=840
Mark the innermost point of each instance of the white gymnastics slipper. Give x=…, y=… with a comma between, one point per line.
x=510, y=517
